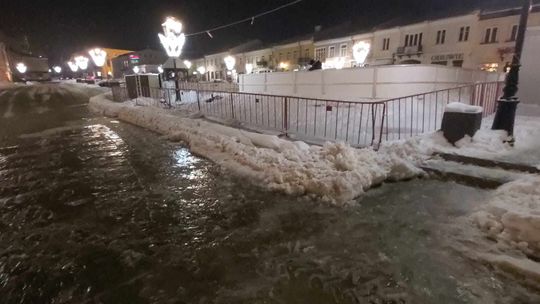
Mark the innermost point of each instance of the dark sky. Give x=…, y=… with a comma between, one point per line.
x=57, y=28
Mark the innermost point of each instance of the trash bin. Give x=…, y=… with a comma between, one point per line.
x=460, y=119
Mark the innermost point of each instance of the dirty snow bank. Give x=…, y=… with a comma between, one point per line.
x=335, y=172
x=512, y=215
x=489, y=144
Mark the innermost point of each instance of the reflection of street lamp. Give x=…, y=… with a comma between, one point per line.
x=21, y=67
x=99, y=56
x=57, y=69
x=173, y=40
x=82, y=62
x=73, y=66
x=507, y=104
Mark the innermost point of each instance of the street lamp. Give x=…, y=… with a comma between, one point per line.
x=82, y=62
x=21, y=67
x=361, y=51
x=188, y=64
x=249, y=68
x=57, y=69
x=507, y=104
x=160, y=69
x=201, y=70
x=99, y=56
x=173, y=40
x=73, y=66
x=136, y=69
x=229, y=62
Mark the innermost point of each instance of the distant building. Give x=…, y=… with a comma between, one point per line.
x=14, y=51
x=124, y=64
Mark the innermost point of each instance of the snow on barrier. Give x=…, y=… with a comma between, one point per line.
x=334, y=172
x=359, y=124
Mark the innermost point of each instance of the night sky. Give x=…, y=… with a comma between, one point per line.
x=57, y=28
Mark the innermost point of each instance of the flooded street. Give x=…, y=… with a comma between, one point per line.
x=93, y=210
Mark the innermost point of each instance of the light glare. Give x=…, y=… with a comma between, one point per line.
x=21, y=67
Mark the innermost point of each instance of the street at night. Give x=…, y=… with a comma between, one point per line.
x=222, y=158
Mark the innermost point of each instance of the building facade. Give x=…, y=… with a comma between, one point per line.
x=292, y=56
x=124, y=64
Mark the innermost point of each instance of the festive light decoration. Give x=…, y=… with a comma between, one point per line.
x=188, y=64
x=73, y=66
x=249, y=68
x=172, y=38
x=57, y=69
x=136, y=69
x=109, y=73
x=99, y=56
x=160, y=69
x=361, y=51
x=82, y=62
x=195, y=73
x=283, y=65
x=201, y=70
x=229, y=62
x=98, y=74
x=21, y=67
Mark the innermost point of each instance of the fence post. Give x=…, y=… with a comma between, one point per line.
x=198, y=101
x=286, y=116
x=232, y=106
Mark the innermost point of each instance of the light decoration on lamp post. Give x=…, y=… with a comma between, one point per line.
x=82, y=62
x=21, y=67
x=57, y=69
x=73, y=66
x=249, y=68
x=361, y=51
x=188, y=64
x=99, y=56
x=173, y=40
x=229, y=62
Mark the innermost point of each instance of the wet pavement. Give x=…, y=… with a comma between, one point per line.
x=93, y=210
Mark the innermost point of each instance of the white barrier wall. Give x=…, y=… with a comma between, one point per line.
x=379, y=82
x=529, y=75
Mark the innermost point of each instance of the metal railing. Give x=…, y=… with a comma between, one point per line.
x=365, y=123
x=209, y=86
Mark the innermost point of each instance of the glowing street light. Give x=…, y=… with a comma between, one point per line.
x=57, y=69
x=361, y=51
x=201, y=70
x=160, y=69
x=73, y=66
x=136, y=69
x=229, y=62
x=188, y=64
x=249, y=68
x=99, y=56
x=172, y=38
x=21, y=67
x=82, y=62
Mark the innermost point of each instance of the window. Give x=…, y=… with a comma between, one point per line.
x=288, y=55
x=307, y=53
x=513, y=33
x=386, y=44
x=464, y=33
x=441, y=36
x=295, y=54
x=457, y=63
x=331, y=51
x=491, y=35
x=320, y=54
x=440, y=62
x=413, y=39
x=343, y=50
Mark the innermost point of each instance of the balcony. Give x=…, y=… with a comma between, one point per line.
x=409, y=50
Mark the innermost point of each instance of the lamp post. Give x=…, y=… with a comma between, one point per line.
x=173, y=40
x=507, y=104
x=99, y=56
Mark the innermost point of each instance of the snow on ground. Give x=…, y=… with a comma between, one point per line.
x=511, y=218
x=489, y=144
x=334, y=172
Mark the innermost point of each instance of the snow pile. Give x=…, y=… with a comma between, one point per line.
x=458, y=107
x=335, y=172
x=512, y=215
